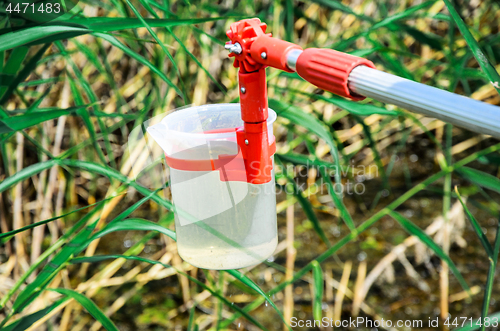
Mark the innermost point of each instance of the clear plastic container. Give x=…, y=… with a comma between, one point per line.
x=219, y=224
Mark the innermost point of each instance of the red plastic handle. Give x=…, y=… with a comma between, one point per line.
x=329, y=70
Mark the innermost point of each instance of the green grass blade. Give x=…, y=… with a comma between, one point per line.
x=220, y=289
x=100, y=258
x=16, y=123
x=89, y=305
x=33, y=290
x=106, y=70
x=131, y=224
x=155, y=37
x=112, y=173
x=48, y=252
x=318, y=290
x=115, y=42
x=425, y=38
x=480, y=178
x=376, y=155
x=301, y=159
x=298, y=117
x=109, y=24
x=356, y=108
x=337, y=5
x=481, y=58
x=74, y=149
x=12, y=66
x=18, y=38
x=26, y=173
x=480, y=234
x=191, y=318
x=85, y=116
x=84, y=113
x=306, y=206
x=24, y=73
x=339, y=204
x=31, y=226
x=215, y=293
x=37, y=145
x=27, y=321
x=425, y=239
x=198, y=63
x=403, y=15
x=250, y=283
x=491, y=277
x=90, y=55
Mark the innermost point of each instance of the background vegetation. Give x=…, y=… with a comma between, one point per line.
x=84, y=246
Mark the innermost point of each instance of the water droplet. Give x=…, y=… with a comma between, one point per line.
x=362, y=256
x=335, y=230
x=409, y=213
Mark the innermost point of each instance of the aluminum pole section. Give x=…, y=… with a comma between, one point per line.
x=465, y=112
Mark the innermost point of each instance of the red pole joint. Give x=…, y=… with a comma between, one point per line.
x=329, y=70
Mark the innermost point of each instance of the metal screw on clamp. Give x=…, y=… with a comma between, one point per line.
x=243, y=90
x=234, y=48
x=246, y=141
x=263, y=55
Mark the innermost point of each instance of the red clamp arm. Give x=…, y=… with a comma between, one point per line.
x=326, y=68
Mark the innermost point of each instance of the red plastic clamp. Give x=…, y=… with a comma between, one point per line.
x=329, y=70
x=245, y=32
x=239, y=167
x=272, y=52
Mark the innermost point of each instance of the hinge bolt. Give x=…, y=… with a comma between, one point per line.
x=263, y=55
x=234, y=48
x=243, y=90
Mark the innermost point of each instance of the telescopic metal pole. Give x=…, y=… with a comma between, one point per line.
x=369, y=82
x=452, y=108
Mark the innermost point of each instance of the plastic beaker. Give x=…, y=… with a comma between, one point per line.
x=221, y=223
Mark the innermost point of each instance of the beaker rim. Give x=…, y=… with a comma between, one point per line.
x=221, y=107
